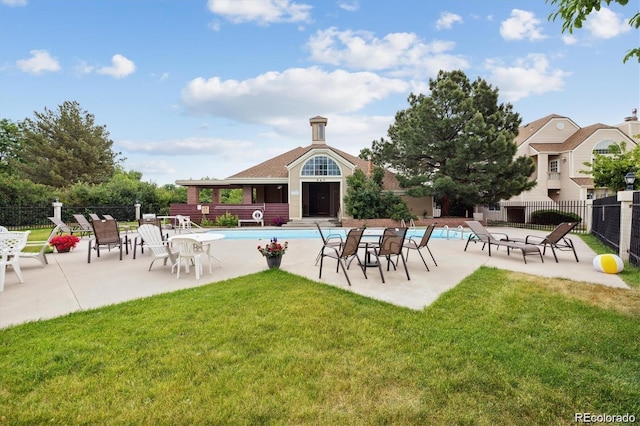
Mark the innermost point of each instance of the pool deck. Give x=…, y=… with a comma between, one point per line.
x=68, y=283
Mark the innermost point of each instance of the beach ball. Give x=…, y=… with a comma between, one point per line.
x=608, y=263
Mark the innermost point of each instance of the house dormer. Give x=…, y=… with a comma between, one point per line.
x=318, y=125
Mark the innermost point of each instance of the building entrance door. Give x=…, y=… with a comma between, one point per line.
x=320, y=199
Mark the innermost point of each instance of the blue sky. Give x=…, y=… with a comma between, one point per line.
x=196, y=88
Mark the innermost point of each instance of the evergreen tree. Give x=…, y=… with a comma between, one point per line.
x=456, y=144
x=64, y=147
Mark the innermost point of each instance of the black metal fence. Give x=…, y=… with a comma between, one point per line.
x=542, y=215
x=634, y=246
x=36, y=217
x=606, y=221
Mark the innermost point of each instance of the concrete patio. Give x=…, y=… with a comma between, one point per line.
x=71, y=284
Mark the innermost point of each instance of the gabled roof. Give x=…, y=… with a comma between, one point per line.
x=572, y=141
x=529, y=129
x=276, y=167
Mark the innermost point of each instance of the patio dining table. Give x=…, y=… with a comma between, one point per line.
x=202, y=240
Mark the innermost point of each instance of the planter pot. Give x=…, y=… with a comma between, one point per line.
x=67, y=250
x=274, y=262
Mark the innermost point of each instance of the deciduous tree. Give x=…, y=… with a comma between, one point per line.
x=575, y=12
x=608, y=170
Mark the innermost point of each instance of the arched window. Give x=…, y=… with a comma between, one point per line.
x=320, y=165
x=603, y=147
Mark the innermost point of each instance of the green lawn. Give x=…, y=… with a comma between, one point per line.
x=275, y=348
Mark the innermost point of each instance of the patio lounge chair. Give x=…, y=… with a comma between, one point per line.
x=331, y=240
x=11, y=245
x=62, y=227
x=557, y=239
x=84, y=226
x=412, y=244
x=391, y=244
x=481, y=234
x=106, y=234
x=160, y=249
x=348, y=251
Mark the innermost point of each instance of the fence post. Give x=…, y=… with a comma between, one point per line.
x=57, y=209
x=137, y=206
x=626, y=199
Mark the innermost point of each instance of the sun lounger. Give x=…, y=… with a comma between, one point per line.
x=481, y=234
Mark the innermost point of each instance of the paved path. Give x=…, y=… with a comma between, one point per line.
x=70, y=284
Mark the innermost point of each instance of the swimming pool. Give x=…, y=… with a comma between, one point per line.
x=293, y=234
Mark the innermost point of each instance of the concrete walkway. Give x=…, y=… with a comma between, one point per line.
x=70, y=284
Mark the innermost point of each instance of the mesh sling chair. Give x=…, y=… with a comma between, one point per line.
x=412, y=244
x=557, y=239
x=331, y=240
x=391, y=244
x=347, y=252
x=482, y=234
x=106, y=234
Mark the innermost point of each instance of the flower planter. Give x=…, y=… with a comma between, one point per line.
x=274, y=262
x=63, y=250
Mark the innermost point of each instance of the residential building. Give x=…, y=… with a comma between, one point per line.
x=559, y=148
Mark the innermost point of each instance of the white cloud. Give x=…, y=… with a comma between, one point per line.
x=186, y=146
x=82, y=67
x=296, y=92
x=447, y=19
x=605, y=24
x=39, y=62
x=262, y=11
x=569, y=39
x=120, y=67
x=14, y=2
x=522, y=25
x=528, y=76
x=401, y=54
x=349, y=6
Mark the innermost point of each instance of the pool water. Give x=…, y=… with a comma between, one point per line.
x=292, y=234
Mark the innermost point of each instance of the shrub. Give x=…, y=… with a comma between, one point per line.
x=553, y=217
x=204, y=222
x=227, y=220
x=279, y=221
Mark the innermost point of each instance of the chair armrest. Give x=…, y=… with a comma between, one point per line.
x=500, y=236
x=533, y=238
x=333, y=236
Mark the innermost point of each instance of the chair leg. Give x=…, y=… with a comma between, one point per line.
x=3, y=268
x=344, y=269
x=16, y=268
x=431, y=254
x=406, y=270
x=421, y=257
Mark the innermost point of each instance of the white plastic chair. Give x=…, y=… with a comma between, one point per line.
x=152, y=237
x=11, y=244
x=189, y=251
x=3, y=229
